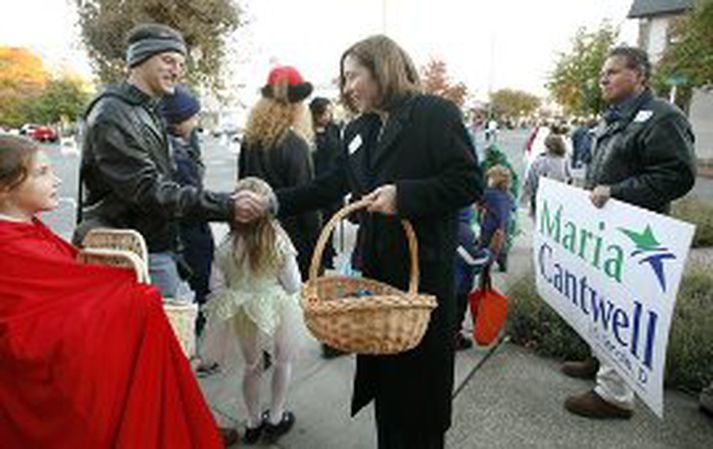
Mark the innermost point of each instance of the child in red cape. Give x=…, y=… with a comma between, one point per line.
x=87, y=356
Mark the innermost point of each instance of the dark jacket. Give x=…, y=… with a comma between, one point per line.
x=644, y=153
x=289, y=164
x=582, y=146
x=426, y=152
x=328, y=146
x=127, y=173
x=196, y=238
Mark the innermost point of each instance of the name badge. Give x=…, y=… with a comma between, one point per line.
x=642, y=116
x=355, y=144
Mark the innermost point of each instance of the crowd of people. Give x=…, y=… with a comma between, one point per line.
x=88, y=347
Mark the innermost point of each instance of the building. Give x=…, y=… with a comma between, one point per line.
x=655, y=18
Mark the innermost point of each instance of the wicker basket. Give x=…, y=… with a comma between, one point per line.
x=388, y=321
x=126, y=248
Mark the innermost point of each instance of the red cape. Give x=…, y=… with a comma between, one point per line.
x=87, y=356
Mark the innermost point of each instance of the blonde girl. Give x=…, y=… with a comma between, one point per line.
x=255, y=280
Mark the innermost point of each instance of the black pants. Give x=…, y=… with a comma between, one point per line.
x=461, y=308
x=394, y=437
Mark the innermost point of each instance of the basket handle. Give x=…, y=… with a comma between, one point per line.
x=343, y=212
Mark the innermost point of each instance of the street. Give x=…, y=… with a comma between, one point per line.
x=221, y=170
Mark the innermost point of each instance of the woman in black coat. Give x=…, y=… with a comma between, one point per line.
x=410, y=154
x=276, y=149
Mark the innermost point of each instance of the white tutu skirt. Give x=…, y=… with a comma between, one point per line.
x=275, y=318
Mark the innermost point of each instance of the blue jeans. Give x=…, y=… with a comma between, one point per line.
x=164, y=275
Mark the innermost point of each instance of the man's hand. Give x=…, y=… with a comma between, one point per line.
x=600, y=195
x=249, y=206
x=383, y=200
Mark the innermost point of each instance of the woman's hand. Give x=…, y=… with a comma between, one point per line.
x=383, y=200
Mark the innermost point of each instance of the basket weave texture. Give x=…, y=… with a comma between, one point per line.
x=126, y=248
x=387, y=321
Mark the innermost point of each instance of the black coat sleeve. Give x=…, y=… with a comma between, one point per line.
x=456, y=181
x=133, y=176
x=667, y=166
x=319, y=193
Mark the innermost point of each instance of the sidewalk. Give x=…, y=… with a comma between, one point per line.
x=511, y=398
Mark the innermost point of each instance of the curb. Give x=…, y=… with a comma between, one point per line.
x=501, y=341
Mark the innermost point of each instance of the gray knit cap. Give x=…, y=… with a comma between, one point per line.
x=150, y=39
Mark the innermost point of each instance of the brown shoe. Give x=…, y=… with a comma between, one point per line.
x=228, y=435
x=589, y=404
x=585, y=369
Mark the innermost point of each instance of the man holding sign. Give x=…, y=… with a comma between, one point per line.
x=643, y=155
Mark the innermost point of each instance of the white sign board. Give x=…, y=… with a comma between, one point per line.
x=612, y=274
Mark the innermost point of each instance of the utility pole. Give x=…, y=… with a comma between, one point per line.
x=491, y=74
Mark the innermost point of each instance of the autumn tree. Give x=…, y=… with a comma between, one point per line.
x=688, y=59
x=574, y=82
x=437, y=82
x=22, y=78
x=513, y=103
x=205, y=25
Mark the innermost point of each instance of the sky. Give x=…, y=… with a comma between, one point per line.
x=488, y=45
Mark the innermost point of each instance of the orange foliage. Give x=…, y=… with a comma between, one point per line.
x=437, y=82
x=22, y=78
x=22, y=68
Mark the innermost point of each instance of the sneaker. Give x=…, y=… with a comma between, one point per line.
x=463, y=342
x=273, y=432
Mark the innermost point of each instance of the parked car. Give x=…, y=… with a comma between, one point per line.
x=39, y=132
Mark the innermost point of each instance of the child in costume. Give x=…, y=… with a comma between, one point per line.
x=254, y=296
x=87, y=356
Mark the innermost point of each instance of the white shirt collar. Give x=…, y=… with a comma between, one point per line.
x=10, y=218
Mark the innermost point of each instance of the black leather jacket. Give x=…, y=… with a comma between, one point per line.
x=127, y=173
x=645, y=154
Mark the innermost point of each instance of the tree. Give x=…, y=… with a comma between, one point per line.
x=574, y=82
x=205, y=24
x=688, y=59
x=63, y=99
x=437, y=82
x=512, y=103
x=22, y=78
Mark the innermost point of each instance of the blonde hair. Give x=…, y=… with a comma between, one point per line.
x=270, y=120
x=255, y=243
x=390, y=66
x=500, y=176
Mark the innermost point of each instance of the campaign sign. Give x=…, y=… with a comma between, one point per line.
x=612, y=274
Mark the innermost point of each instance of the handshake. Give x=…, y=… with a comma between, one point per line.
x=251, y=205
